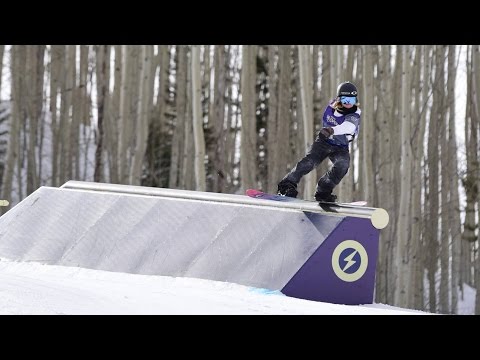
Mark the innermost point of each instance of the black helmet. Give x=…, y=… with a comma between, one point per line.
x=347, y=89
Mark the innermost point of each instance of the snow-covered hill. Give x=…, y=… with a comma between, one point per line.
x=33, y=288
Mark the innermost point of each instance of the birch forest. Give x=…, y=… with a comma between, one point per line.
x=227, y=118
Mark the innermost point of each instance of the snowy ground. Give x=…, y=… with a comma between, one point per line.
x=466, y=301
x=33, y=288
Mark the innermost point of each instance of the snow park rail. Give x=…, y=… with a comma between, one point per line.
x=301, y=250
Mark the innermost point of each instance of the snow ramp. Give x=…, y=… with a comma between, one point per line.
x=298, y=248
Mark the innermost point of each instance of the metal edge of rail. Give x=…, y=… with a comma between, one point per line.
x=378, y=216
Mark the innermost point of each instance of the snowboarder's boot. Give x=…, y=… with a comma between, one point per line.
x=287, y=188
x=325, y=197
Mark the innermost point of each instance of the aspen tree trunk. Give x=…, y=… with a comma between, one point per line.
x=233, y=117
x=33, y=83
x=272, y=121
x=162, y=99
x=420, y=84
x=103, y=60
x=176, y=162
x=334, y=74
x=445, y=239
x=206, y=65
x=188, y=176
x=143, y=112
x=88, y=131
x=39, y=106
x=209, y=111
x=22, y=143
x=2, y=51
x=261, y=112
x=228, y=137
x=317, y=111
x=368, y=124
x=469, y=183
x=218, y=118
x=384, y=166
x=415, y=87
x=125, y=123
x=340, y=69
x=56, y=81
x=112, y=121
x=163, y=94
x=305, y=67
x=444, y=295
x=395, y=94
x=454, y=220
x=403, y=255
x=198, y=137
x=297, y=118
x=349, y=75
x=475, y=166
x=65, y=172
x=71, y=87
x=248, y=157
x=13, y=139
x=42, y=111
x=281, y=148
x=156, y=135
x=174, y=157
x=113, y=126
x=359, y=142
x=327, y=91
x=80, y=109
x=433, y=174
x=236, y=136
x=75, y=119
x=427, y=69
x=206, y=79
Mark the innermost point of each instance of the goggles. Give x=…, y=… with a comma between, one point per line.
x=348, y=100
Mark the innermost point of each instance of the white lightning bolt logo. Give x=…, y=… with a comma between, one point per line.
x=362, y=260
x=349, y=260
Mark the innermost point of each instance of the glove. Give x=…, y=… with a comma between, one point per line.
x=326, y=132
x=287, y=188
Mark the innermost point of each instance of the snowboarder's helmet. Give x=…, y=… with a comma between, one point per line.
x=347, y=89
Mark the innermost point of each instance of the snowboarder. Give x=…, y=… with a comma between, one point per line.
x=341, y=121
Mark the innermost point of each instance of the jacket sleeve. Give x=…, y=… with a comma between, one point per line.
x=346, y=128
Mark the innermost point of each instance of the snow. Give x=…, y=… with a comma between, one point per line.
x=466, y=301
x=34, y=288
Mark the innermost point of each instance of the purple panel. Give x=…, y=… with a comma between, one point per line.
x=317, y=279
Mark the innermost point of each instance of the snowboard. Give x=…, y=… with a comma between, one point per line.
x=262, y=195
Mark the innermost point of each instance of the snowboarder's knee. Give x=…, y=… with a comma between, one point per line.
x=342, y=166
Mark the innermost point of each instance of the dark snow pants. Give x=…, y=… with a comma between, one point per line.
x=319, y=151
